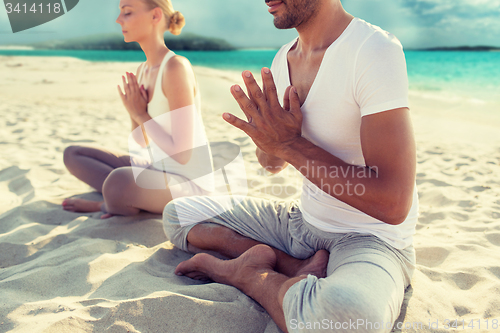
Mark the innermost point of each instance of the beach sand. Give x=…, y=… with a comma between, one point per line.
x=67, y=272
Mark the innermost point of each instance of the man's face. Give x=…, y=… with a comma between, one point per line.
x=291, y=13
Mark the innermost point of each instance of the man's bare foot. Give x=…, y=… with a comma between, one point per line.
x=315, y=265
x=236, y=272
x=81, y=205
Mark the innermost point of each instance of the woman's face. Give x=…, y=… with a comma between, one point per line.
x=134, y=19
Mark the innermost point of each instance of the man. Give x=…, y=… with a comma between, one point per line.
x=341, y=258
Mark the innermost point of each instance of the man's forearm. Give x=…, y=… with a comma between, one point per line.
x=271, y=163
x=364, y=188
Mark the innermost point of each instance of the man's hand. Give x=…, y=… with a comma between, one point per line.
x=134, y=99
x=270, y=126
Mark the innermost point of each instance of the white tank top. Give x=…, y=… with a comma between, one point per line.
x=199, y=169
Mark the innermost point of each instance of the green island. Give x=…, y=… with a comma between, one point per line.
x=184, y=42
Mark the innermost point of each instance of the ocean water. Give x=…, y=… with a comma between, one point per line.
x=467, y=76
x=240, y=60
x=463, y=76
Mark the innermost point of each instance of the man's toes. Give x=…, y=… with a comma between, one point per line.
x=181, y=269
x=321, y=262
x=325, y=256
x=198, y=276
x=315, y=265
x=190, y=265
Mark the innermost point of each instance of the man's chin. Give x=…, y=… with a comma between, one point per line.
x=279, y=24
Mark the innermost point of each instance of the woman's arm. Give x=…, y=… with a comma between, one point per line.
x=179, y=86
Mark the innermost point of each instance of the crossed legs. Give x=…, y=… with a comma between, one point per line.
x=110, y=173
x=363, y=286
x=259, y=271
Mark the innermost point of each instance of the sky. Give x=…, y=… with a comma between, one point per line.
x=246, y=23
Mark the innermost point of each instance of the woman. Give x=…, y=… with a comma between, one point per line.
x=163, y=104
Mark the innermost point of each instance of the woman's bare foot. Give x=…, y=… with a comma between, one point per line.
x=81, y=205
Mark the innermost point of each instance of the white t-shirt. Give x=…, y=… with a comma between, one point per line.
x=363, y=72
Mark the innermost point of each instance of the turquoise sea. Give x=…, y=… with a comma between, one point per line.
x=473, y=76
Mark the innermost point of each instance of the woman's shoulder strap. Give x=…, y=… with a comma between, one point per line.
x=139, y=72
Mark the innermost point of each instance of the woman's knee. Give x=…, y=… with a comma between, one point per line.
x=69, y=155
x=118, y=185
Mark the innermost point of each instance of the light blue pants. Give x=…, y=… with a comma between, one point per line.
x=366, y=278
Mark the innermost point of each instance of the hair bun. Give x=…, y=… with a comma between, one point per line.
x=177, y=22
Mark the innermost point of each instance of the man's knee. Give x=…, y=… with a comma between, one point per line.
x=170, y=219
x=355, y=307
x=174, y=230
x=315, y=306
x=186, y=211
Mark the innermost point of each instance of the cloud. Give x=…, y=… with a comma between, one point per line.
x=417, y=23
x=428, y=23
x=243, y=23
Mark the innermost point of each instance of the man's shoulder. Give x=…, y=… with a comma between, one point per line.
x=371, y=37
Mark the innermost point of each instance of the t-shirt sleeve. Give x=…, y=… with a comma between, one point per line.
x=381, y=80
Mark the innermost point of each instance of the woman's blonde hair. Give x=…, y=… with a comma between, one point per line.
x=175, y=20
